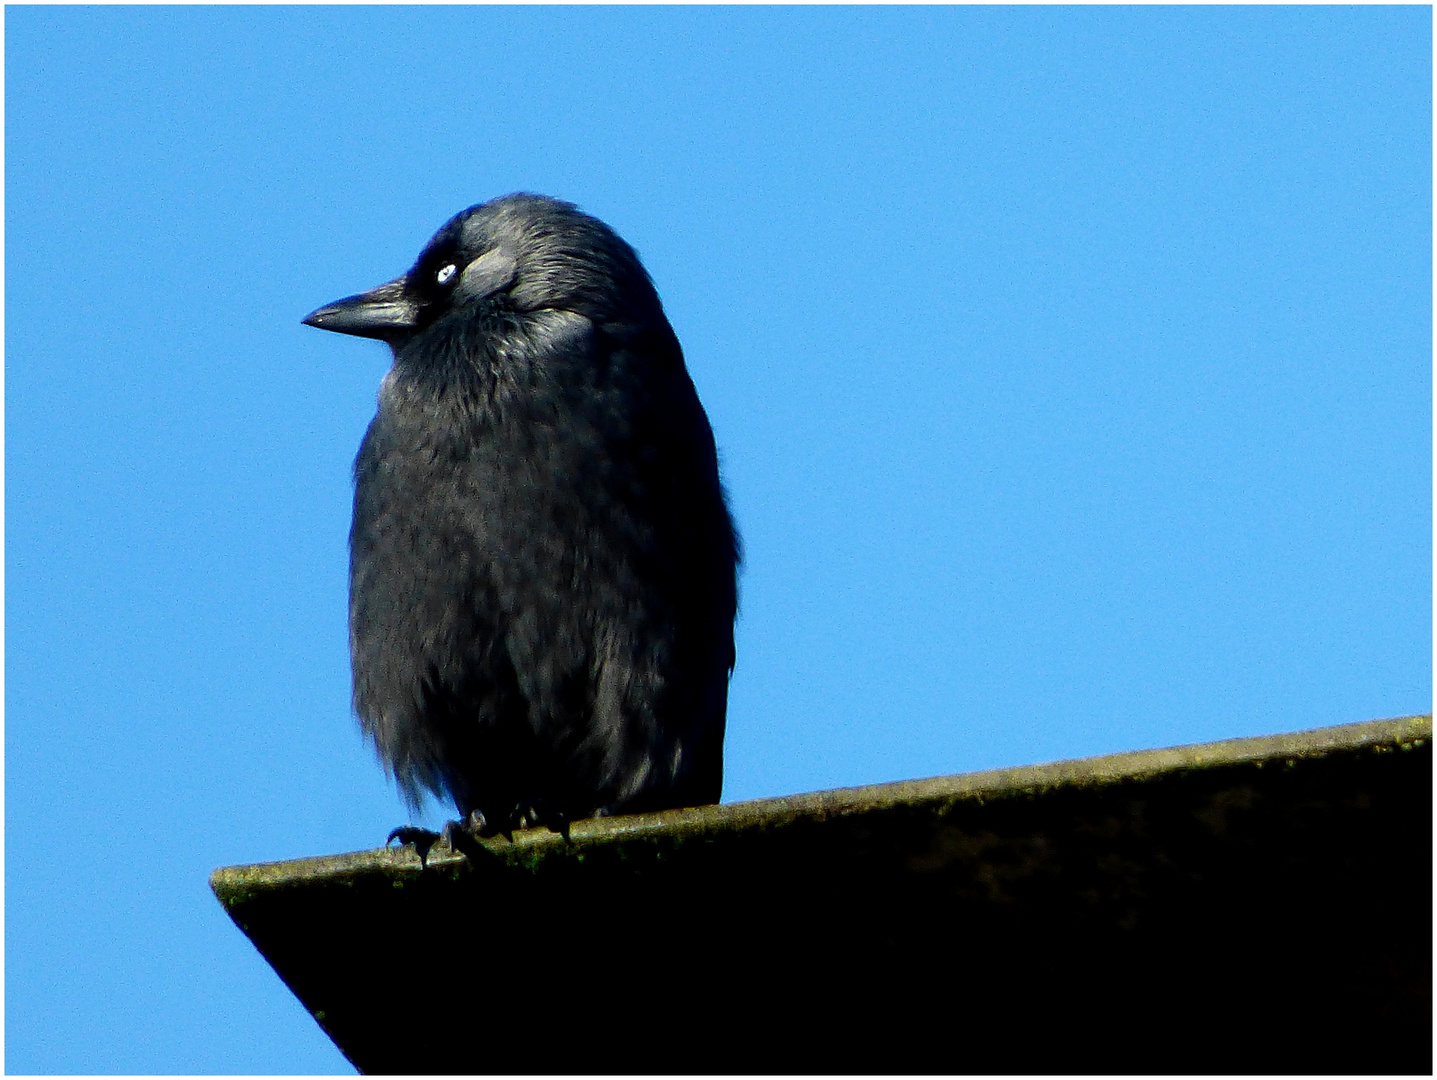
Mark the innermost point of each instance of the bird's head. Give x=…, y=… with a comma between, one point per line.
x=519, y=253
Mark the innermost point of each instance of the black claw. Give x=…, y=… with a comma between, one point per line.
x=422, y=839
x=463, y=838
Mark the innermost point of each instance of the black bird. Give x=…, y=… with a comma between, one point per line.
x=542, y=562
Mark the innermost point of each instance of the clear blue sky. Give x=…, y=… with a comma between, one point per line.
x=1071, y=370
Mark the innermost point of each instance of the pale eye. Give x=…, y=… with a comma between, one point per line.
x=445, y=273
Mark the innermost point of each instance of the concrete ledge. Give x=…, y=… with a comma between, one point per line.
x=1250, y=905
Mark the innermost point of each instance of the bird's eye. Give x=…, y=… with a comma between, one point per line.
x=445, y=273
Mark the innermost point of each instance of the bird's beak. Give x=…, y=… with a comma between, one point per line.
x=385, y=312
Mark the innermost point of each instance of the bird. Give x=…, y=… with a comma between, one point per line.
x=543, y=564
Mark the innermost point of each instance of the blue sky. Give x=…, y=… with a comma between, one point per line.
x=1070, y=368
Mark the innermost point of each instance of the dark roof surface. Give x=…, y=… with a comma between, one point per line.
x=1250, y=905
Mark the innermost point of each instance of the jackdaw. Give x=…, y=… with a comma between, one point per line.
x=542, y=562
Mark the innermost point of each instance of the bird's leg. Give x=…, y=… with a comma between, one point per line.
x=533, y=812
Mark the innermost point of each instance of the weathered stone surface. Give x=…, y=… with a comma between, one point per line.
x=1251, y=905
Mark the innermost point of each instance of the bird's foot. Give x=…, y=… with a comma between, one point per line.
x=462, y=837
x=531, y=813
